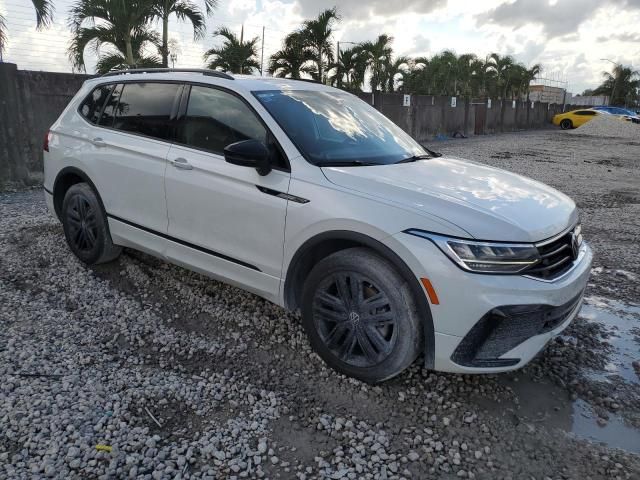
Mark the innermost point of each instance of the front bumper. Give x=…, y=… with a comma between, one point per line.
x=493, y=323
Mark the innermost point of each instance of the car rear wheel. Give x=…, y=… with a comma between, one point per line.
x=566, y=124
x=360, y=315
x=85, y=226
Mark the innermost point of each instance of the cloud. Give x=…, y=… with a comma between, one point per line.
x=361, y=9
x=621, y=37
x=559, y=18
x=421, y=45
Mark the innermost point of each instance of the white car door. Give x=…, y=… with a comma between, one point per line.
x=225, y=220
x=130, y=146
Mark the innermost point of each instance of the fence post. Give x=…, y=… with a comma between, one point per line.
x=13, y=167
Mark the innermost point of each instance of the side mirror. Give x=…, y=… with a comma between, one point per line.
x=249, y=153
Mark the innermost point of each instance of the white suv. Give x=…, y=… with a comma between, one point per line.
x=307, y=196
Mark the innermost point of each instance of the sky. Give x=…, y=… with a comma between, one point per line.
x=570, y=38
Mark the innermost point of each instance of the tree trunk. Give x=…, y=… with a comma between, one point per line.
x=129, y=52
x=165, y=39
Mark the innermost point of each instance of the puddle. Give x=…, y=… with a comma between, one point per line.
x=620, y=319
x=614, y=433
x=542, y=403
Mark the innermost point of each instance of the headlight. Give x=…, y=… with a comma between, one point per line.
x=484, y=257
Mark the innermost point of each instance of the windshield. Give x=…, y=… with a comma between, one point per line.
x=338, y=128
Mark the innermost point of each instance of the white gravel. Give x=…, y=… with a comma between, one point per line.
x=611, y=126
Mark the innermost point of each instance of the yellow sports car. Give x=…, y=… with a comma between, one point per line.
x=575, y=118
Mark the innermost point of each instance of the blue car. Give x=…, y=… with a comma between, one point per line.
x=623, y=112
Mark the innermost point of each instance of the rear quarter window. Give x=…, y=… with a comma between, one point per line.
x=91, y=106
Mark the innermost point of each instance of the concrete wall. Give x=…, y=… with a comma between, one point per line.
x=430, y=117
x=29, y=103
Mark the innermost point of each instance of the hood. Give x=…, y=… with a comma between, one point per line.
x=488, y=203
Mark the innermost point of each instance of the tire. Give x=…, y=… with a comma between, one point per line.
x=566, y=124
x=85, y=226
x=373, y=335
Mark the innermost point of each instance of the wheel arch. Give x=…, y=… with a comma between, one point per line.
x=65, y=178
x=324, y=244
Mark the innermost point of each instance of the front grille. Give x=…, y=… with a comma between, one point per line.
x=556, y=256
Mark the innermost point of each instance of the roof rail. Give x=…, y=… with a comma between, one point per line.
x=310, y=80
x=204, y=71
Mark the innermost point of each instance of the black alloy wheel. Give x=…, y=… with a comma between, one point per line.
x=361, y=316
x=354, y=319
x=86, y=227
x=83, y=228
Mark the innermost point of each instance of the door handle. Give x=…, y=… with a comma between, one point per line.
x=181, y=163
x=98, y=142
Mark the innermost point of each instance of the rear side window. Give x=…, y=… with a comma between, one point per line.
x=145, y=108
x=215, y=119
x=91, y=107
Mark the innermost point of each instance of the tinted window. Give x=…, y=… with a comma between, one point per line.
x=585, y=112
x=92, y=105
x=108, y=113
x=215, y=119
x=145, y=108
x=331, y=128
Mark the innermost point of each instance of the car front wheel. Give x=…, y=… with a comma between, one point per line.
x=360, y=315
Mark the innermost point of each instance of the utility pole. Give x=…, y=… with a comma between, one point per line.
x=241, y=40
x=338, y=75
x=615, y=79
x=262, y=54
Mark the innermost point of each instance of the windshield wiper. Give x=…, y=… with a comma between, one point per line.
x=347, y=163
x=414, y=158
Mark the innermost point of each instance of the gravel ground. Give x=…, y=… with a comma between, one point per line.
x=143, y=369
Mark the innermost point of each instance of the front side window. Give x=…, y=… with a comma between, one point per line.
x=91, y=107
x=335, y=128
x=585, y=112
x=215, y=119
x=145, y=109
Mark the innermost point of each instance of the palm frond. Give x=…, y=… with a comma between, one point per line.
x=186, y=10
x=44, y=12
x=3, y=34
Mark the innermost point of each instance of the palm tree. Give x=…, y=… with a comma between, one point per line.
x=44, y=16
x=351, y=66
x=465, y=67
x=530, y=74
x=184, y=10
x=317, y=34
x=119, y=24
x=503, y=68
x=621, y=85
x=235, y=55
x=393, y=68
x=378, y=54
x=116, y=60
x=293, y=59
